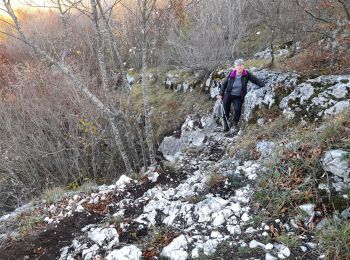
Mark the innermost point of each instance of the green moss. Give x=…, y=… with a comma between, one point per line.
x=320, y=86
x=313, y=76
x=344, y=81
x=301, y=79
x=236, y=182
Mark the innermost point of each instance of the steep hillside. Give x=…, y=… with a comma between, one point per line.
x=277, y=189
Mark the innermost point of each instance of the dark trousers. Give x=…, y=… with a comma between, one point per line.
x=237, y=104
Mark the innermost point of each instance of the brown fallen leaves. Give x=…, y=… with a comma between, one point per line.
x=101, y=207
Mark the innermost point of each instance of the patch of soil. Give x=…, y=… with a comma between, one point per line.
x=133, y=234
x=46, y=245
x=223, y=190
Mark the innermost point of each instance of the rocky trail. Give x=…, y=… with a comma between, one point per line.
x=177, y=215
x=200, y=204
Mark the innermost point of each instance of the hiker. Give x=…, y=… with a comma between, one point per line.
x=234, y=90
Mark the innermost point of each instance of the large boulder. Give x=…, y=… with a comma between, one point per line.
x=277, y=84
x=171, y=148
x=193, y=135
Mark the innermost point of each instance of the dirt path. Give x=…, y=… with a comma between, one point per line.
x=46, y=245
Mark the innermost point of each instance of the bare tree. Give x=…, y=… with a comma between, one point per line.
x=114, y=117
x=146, y=7
x=281, y=19
x=334, y=14
x=210, y=35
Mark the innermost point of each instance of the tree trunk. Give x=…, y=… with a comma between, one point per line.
x=100, y=49
x=148, y=125
x=272, y=52
x=141, y=140
x=113, y=41
x=335, y=43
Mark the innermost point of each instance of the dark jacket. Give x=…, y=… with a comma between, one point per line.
x=226, y=86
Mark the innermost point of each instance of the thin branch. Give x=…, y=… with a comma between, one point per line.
x=129, y=9
x=110, y=9
x=6, y=22
x=13, y=36
x=312, y=14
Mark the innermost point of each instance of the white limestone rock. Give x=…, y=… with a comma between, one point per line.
x=177, y=249
x=284, y=251
x=215, y=234
x=268, y=246
x=303, y=248
x=270, y=257
x=192, y=139
x=338, y=108
x=89, y=253
x=206, y=207
x=338, y=163
x=245, y=217
x=122, y=182
x=210, y=246
x=125, y=253
x=345, y=215
x=265, y=148
x=234, y=230
x=260, y=121
x=130, y=79
x=64, y=253
x=303, y=93
x=308, y=208
x=171, y=148
x=208, y=123
x=79, y=208
x=152, y=176
x=100, y=235
x=48, y=220
x=255, y=244
x=219, y=220
x=214, y=89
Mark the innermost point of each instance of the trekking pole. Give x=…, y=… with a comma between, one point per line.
x=225, y=116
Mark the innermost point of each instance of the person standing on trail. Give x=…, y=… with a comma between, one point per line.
x=233, y=90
